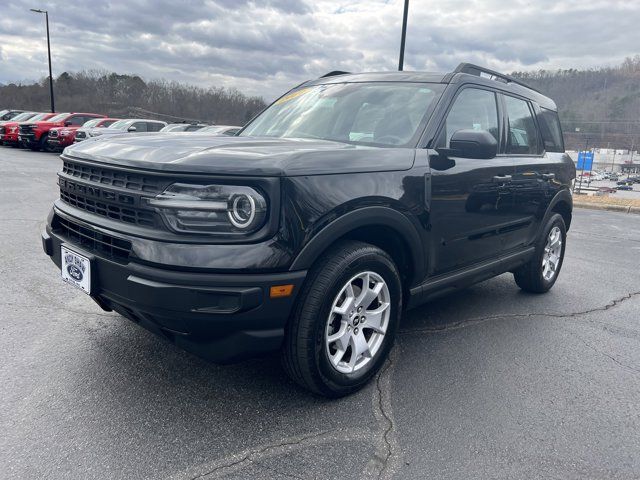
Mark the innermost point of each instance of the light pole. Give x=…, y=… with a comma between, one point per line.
x=46, y=16
x=584, y=159
x=404, y=34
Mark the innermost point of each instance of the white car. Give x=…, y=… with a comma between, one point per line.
x=220, y=130
x=131, y=125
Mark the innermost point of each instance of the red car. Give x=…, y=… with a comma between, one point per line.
x=9, y=130
x=34, y=135
x=60, y=137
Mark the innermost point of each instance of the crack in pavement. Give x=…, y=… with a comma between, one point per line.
x=240, y=460
x=474, y=321
x=605, y=354
x=382, y=465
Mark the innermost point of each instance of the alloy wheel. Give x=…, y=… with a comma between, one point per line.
x=552, y=253
x=358, y=322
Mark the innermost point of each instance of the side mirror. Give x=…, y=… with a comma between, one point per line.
x=131, y=129
x=68, y=123
x=469, y=143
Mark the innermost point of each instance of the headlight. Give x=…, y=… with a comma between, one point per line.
x=14, y=129
x=225, y=209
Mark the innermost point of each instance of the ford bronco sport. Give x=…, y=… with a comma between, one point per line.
x=349, y=199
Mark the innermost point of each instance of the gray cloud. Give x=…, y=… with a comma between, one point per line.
x=264, y=47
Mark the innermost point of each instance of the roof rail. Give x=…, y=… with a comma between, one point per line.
x=334, y=73
x=472, y=69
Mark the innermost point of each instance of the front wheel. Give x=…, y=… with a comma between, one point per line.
x=541, y=272
x=345, y=320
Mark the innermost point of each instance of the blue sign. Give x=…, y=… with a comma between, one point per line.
x=585, y=161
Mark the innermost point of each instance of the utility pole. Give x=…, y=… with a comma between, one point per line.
x=584, y=159
x=46, y=16
x=613, y=162
x=404, y=35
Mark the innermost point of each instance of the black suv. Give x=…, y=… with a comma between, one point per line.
x=348, y=200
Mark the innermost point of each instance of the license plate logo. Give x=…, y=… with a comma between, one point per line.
x=76, y=269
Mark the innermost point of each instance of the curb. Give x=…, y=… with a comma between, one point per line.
x=608, y=206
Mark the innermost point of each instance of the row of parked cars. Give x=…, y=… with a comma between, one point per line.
x=55, y=131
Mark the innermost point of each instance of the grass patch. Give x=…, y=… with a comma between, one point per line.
x=607, y=200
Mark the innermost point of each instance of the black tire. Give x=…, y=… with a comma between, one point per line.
x=41, y=145
x=304, y=355
x=529, y=277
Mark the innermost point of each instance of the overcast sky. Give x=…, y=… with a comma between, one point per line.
x=265, y=47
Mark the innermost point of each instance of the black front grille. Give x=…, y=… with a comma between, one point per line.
x=53, y=133
x=26, y=129
x=117, y=212
x=114, y=178
x=1, y=130
x=91, y=240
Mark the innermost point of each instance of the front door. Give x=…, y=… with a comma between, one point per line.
x=472, y=208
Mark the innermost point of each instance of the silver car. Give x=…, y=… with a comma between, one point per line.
x=131, y=125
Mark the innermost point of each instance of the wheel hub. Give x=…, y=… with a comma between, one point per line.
x=552, y=253
x=349, y=343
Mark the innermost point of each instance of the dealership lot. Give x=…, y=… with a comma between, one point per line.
x=490, y=382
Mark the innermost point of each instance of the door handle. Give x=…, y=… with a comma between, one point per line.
x=502, y=178
x=548, y=176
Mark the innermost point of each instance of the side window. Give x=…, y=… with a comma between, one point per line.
x=551, y=130
x=140, y=126
x=473, y=109
x=522, y=136
x=154, y=127
x=76, y=120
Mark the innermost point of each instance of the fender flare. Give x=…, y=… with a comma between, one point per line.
x=562, y=196
x=364, y=217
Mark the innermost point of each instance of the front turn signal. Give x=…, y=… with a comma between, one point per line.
x=278, y=291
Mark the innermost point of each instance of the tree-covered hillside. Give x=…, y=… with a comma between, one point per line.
x=603, y=103
x=130, y=96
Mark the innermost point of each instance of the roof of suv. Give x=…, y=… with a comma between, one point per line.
x=463, y=72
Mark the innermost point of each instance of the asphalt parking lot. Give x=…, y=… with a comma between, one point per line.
x=488, y=383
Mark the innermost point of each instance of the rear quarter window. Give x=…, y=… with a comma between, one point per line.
x=551, y=130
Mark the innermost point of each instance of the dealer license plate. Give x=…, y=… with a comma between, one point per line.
x=76, y=269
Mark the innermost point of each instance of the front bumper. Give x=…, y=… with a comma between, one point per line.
x=28, y=139
x=59, y=142
x=10, y=138
x=223, y=317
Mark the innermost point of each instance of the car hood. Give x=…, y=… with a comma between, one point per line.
x=255, y=156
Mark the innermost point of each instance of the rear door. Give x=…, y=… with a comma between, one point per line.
x=537, y=165
x=139, y=127
x=471, y=199
x=154, y=126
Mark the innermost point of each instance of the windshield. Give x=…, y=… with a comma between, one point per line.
x=59, y=117
x=213, y=129
x=174, y=128
x=40, y=116
x=382, y=113
x=23, y=116
x=119, y=124
x=91, y=123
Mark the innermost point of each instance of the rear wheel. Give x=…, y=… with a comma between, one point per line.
x=541, y=272
x=345, y=320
